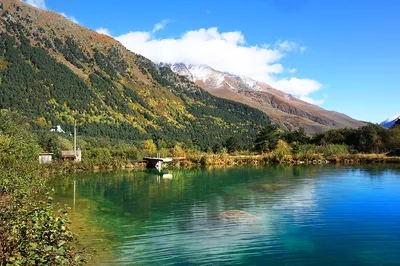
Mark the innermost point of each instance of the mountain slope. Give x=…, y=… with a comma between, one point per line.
x=55, y=71
x=286, y=110
x=391, y=121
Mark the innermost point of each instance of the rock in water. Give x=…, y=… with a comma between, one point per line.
x=237, y=216
x=268, y=187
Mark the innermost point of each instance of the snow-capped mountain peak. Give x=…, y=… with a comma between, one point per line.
x=286, y=110
x=390, y=121
x=205, y=76
x=199, y=73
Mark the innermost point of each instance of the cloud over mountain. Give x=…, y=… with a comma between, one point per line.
x=36, y=3
x=225, y=51
x=103, y=31
x=42, y=5
x=72, y=18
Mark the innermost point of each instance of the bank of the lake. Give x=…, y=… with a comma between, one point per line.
x=221, y=159
x=145, y=218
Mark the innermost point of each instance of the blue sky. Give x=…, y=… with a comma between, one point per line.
x=343, y=55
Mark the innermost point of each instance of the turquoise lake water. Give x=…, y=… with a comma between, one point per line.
x=306, y=215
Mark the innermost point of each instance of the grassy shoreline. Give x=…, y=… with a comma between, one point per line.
x=223, y=160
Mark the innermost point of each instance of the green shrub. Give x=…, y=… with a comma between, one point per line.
x=19, y=151
x=98, y=156
x=313, y=152
x=31, y=233
x=282, y=152
x=308, y=152
x=334, y=150
x=267, y=139
x=126, y=152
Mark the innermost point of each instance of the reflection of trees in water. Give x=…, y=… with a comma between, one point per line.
x=220, y=189
x=379, y=170
x=138, y=205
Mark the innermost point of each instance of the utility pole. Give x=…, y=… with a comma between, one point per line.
x=75, y=139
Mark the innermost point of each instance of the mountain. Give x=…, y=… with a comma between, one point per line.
x=391, y=121
x=56, y=71
x=288, y=111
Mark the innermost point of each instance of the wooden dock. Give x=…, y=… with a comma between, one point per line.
x=156, y=162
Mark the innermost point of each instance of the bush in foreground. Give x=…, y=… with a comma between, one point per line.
x=30, y=231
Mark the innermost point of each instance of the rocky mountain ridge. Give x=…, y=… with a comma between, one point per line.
x=286, y=110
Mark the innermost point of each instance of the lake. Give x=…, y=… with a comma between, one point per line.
x=304, y=215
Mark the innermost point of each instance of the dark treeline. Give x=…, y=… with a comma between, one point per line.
x=367, y=139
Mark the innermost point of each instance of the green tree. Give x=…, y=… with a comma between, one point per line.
x=233, y=144
x=149, y=147
x=161, y=144
x=282, y=152
x=267, y=139
x=31, y=232
x=394, y=138
x=217, y=148
x=19, y=153
x=98, y=156
x=299, y=136
x=372, y=138
x=178, y=151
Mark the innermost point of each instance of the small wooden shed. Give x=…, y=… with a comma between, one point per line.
x=75, y=156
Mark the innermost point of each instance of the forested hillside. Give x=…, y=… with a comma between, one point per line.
x=55, y=71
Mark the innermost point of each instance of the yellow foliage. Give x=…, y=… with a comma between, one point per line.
x=282, y=152
x=178, y=151
x=149, y=146
x=41, y=121
x=3, y=63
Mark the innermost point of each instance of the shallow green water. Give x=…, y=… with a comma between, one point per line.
x=307, y=215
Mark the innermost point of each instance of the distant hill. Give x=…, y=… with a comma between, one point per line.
x=284, y=109
x=391, y=121
x=55, y=71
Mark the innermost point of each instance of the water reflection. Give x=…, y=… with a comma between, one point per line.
x=154, y=219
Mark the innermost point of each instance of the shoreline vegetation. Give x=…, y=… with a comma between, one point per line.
x=368, y=144
x=35, y=231
x=225, y=160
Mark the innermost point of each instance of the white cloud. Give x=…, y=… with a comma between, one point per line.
x=287, y=46
x=72, y=18
x=42, y=5
x=292, y=70
x=161, y=25
x=104, y=31
x=224, y=51
x=312, y=101
x=290, y=46
x=36, y=3
x=296, y=86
